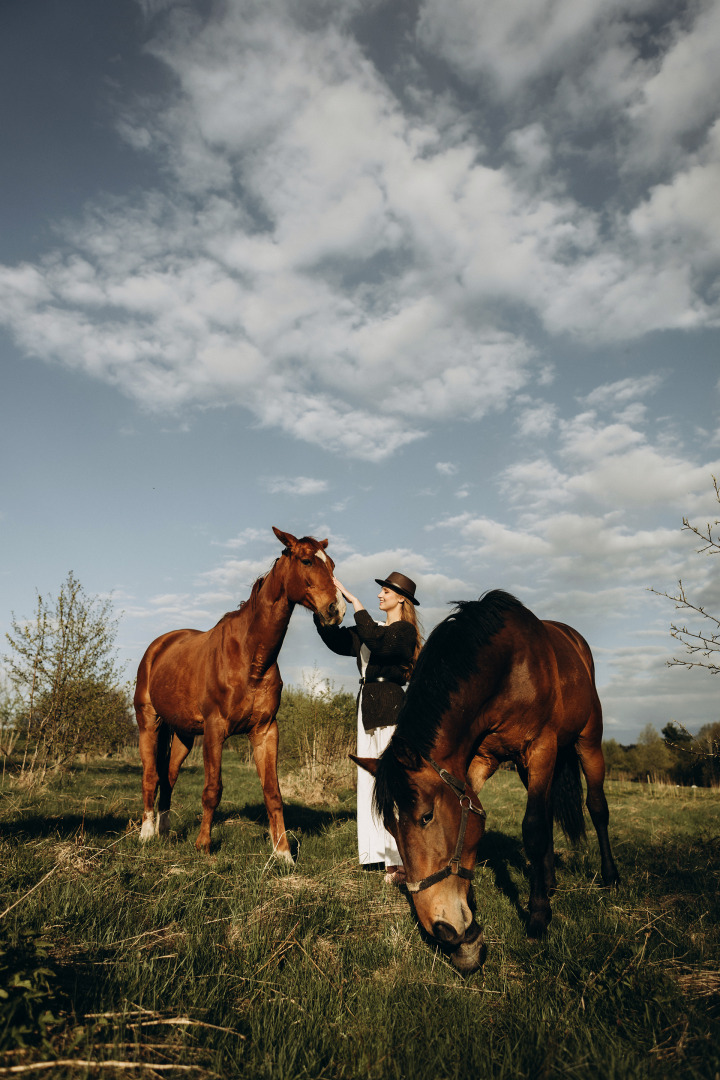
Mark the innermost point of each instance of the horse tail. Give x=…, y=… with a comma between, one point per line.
x=567, y=795
x=164, y=745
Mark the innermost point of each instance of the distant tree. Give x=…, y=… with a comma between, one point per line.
x=650, y=756
x=701, y=641
x=706, y=745
x=679, y=742
x=63, y=667
x=697, y=757
x=616, y=756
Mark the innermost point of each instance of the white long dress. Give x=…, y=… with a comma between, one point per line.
x=375, y=843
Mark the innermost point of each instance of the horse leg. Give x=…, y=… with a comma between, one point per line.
x=264, y=741
x=538, y=835
x=592, y=762
x=213, y=740
x=168, y=773
x=480, y=770
x=149, y=727
x=549, y=858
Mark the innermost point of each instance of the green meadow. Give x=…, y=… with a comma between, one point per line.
x=154, y=960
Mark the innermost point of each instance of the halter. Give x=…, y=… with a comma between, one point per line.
x=453, y=867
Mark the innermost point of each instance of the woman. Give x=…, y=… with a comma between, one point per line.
x=386, y=654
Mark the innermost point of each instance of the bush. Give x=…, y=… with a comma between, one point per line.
x=27, y=995
x=317, y=725
x=63, y=669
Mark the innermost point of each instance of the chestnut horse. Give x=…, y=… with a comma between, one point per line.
x=493, y=683
x=226, y=681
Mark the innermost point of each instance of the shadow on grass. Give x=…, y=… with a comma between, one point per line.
x=308, y=819
x=501, y=854
x=65, y=826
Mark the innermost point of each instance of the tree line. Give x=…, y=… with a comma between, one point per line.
x=672, y=756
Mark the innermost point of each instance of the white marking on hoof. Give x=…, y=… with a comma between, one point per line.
x=284, y=855
x=147, y=829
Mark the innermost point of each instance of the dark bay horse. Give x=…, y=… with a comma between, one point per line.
x=225, y=681
x=493, y=683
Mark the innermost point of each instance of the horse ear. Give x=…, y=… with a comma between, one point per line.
x=323, y=544
x=286, y=539
x=369, y=764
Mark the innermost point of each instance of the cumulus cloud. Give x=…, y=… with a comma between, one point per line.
x=352, y=270
x=623, y=391
x=296, y=485
x=537, y=420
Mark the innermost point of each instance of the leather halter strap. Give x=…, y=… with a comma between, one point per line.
x=467, y=807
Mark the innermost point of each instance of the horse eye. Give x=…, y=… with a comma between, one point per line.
x=306, y=562
x=426, y=819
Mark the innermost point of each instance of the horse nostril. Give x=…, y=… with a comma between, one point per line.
x=446, y=933
x=333, y=609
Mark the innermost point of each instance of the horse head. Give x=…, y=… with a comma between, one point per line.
x=437, y=823
x=309, y=577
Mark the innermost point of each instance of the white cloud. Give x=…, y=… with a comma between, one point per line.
x=446, y=468
x=681, y=95
x=352, y=271
x=537, y=420
x=620, y=393
x=296, y=485
x=247, y=536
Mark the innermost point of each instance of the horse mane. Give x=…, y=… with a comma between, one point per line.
x=447, y=659
x=251, y=602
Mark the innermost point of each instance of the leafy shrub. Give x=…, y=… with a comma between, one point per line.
x=317, y=725
x=27, y=995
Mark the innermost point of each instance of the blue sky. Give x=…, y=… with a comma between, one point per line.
x=434, y=279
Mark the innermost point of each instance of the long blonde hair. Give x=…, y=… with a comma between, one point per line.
x=409, y=614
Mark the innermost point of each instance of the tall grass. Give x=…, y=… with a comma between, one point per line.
x=233, y=965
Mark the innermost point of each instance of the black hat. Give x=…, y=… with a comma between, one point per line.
x=400, y=584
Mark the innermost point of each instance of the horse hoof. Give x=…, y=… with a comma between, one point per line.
x=536, y=929
x=147, y=829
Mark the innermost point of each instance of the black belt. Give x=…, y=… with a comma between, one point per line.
x=381, y=678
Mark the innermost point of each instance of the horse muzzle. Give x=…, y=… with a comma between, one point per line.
x=469, y=955
x=334, y=613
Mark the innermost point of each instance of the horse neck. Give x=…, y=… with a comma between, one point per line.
x=262, y=623
x=457, y=738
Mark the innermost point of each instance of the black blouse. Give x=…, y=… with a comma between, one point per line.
x=391, y=648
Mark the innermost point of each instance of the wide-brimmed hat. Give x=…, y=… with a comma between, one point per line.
x=400, y=584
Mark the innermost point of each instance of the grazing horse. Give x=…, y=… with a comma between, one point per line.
x=493, y=683
x=226, y=681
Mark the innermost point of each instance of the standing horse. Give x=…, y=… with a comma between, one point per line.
x=493, y=683
x=225, y=681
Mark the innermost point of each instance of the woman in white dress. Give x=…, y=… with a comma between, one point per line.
x=386, y=654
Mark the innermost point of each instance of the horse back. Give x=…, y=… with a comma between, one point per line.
x=570, y=648
x=576, y=677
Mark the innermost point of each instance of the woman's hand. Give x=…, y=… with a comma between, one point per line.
x=357, y=605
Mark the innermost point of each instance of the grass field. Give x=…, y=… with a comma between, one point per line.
x=162, y=961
